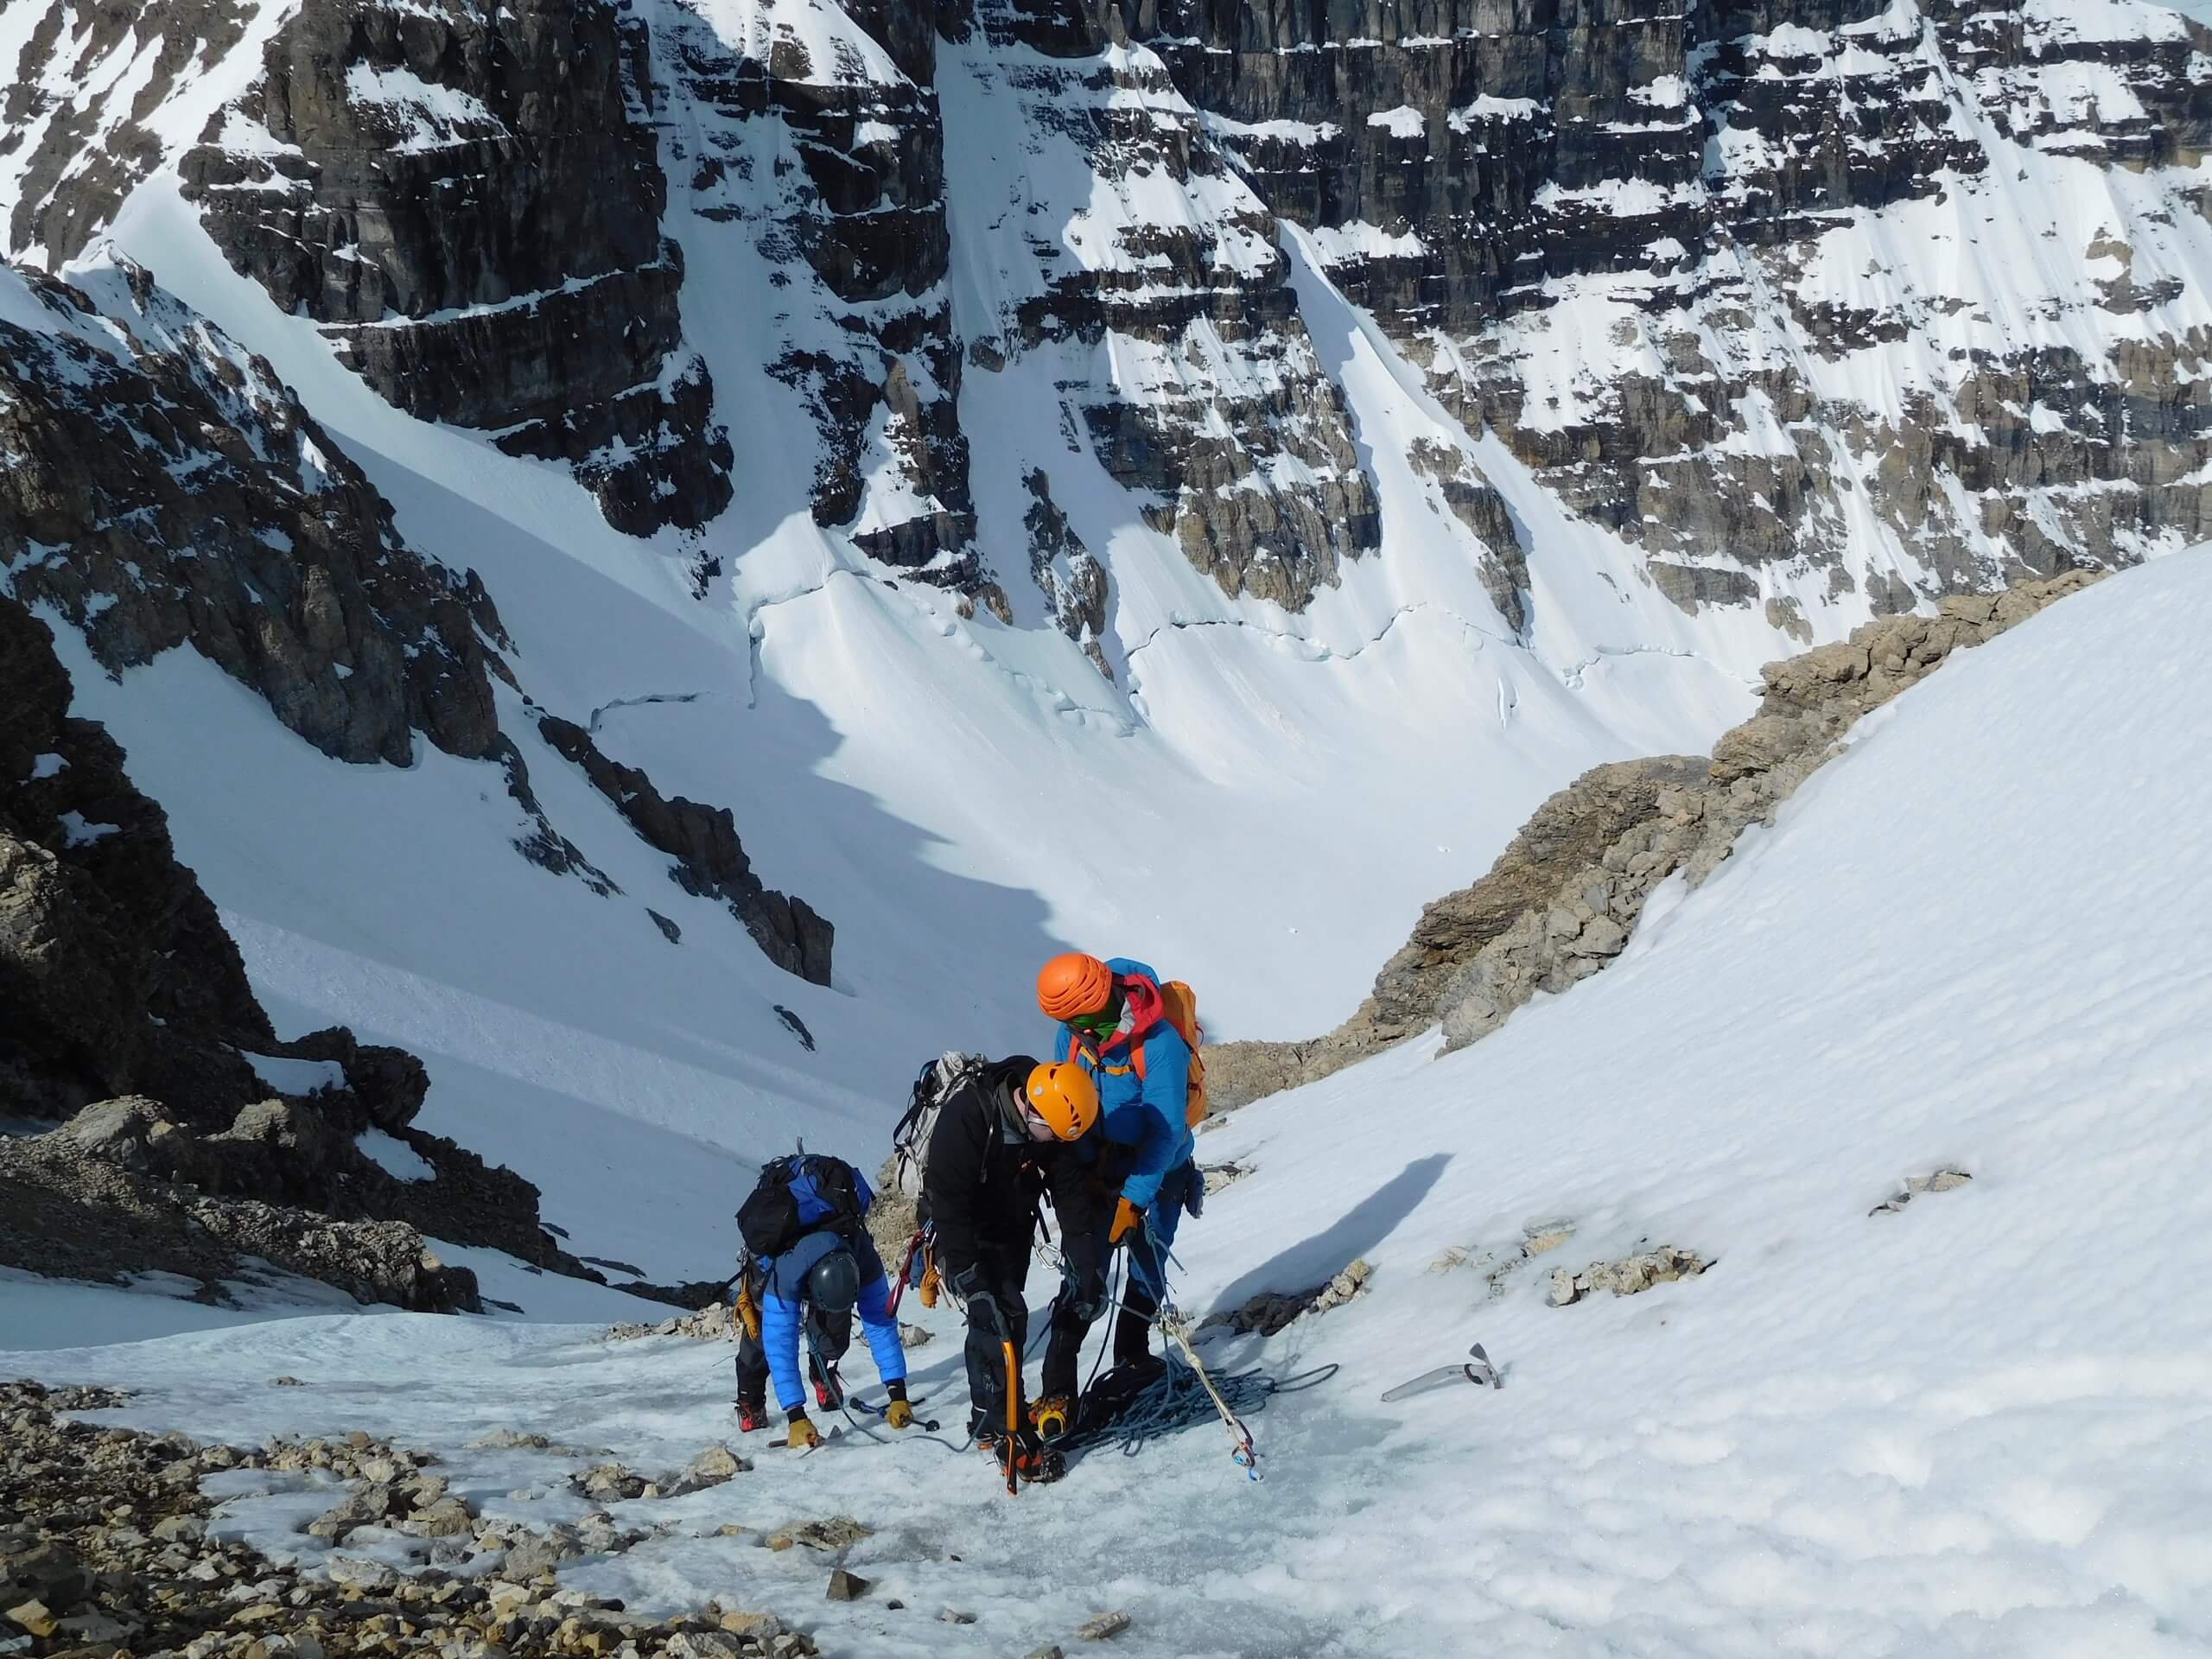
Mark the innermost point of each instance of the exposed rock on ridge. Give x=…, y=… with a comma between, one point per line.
x=709, y=862
x=189, y=1140
x=1562, y=900
x=163, y=487
x=1615, y=235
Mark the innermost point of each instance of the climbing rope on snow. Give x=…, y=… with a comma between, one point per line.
x=1186, y=1396
x=1243, y=1452
x=1186, y=1391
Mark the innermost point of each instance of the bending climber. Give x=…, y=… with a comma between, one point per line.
x=1114, y=1023
x=823, y=1268
x=1003, y=1143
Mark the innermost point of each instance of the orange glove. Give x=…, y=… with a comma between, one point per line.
x=1126, y=1216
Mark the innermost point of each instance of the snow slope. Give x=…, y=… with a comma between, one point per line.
x=1982, y=1425
x=1263, y=813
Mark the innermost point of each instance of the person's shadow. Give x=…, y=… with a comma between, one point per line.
x=1367, y=1224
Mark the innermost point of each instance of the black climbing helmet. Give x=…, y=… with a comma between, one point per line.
x=833, y=1284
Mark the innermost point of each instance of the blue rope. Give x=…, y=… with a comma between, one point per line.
x=1177, y=1400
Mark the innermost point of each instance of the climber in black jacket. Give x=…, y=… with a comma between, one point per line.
x=1003, y=1143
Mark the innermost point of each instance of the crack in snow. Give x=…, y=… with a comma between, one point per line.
x=592, y=725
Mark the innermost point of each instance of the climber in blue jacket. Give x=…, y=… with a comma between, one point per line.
x=1111, y=1018
x=816, y=1285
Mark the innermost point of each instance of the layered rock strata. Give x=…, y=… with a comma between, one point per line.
x=468, y=201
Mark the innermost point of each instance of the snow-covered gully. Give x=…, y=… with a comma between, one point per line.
x=1978, y=1424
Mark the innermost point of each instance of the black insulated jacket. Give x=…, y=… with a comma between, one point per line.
x=984, y=1178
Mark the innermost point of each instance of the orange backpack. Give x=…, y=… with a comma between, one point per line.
x=1179, y=1007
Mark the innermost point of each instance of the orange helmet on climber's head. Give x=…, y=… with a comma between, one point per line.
x=1073, y=985
x=1061, y=1097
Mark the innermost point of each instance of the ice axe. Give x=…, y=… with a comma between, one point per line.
x=1477, y=1370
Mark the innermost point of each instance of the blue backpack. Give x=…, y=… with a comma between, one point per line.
x=799, y=1194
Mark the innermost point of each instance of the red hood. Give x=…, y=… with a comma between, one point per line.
x=1146, y=1008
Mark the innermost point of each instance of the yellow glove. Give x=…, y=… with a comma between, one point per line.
x=1126, y=1216
x=804, y=1435
x=928, y=1288
x=748, y=1311
x=899, y=1415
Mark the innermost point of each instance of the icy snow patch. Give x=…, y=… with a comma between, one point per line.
x=82, y=834
x=288, y=1077
x=394, y=1156
x=1403, y=122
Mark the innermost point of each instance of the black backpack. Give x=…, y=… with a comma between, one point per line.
x=799, y=1194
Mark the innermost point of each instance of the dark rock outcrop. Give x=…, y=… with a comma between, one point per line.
x=69, y=1214
x=116, y=974
x=468, y=201
x=708, y=861
x=190, y=1139
x=168, y=490
x=838, y=169
x=1074, y=584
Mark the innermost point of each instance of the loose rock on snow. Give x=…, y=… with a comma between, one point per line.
x=1271, y=1311
x=1626, y=1277
x=107, y=1548
x=1943, y=1180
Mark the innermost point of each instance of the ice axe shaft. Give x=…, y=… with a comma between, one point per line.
x=1012, y=1416
x=1477, y=1370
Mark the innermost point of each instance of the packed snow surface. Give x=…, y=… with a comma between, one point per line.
x=1981, y=1425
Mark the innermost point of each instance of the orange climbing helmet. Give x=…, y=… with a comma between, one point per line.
x=1072, y=984
x=1062, y=1096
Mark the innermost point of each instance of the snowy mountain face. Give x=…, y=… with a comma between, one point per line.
x=1798, y=307
x=576, y=509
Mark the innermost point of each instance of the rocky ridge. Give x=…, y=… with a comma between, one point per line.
x=1562, y=900
x=164, y=488
x=167, y=1128
x=1592, y=233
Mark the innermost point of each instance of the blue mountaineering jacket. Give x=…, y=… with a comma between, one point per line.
x=1146, y=1113
x=783, y=1309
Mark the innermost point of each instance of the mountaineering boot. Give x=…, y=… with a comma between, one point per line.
x=1132, y=1330
x=1035, y=1462
x=752, y=1415
x=828, y=1395
x=1052, y=1417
